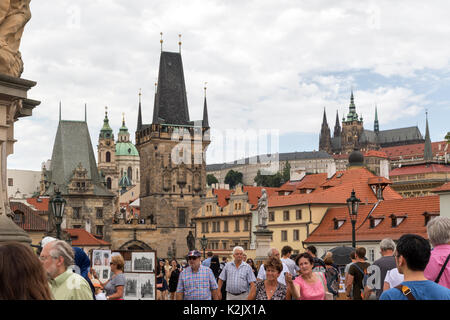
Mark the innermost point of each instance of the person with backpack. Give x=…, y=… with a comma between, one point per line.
x=357, y=276
x=332, y=276
x=412, y=256
x=319, y=265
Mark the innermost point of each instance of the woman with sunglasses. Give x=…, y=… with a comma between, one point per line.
x=114, y=286
x=252, y=264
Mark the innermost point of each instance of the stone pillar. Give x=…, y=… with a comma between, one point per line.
x=13, y=105
x=263, y=237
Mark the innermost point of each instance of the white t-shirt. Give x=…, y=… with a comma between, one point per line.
x=100, y=296
x=394, y=278
x=291, y=265
x=281, y=279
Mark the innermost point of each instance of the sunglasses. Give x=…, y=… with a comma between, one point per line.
x=111, y=263
x=192, y=258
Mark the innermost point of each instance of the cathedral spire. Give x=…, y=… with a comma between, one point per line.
x=337, y=126
x=376, y=126
x=428, y=153
x=325, y=135
x=352, y=115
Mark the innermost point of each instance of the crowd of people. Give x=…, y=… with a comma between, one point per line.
x=408, y=270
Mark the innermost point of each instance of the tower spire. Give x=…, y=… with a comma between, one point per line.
x=376, y=126
x=139, y=120
x=161, y=41
x=205, y=122
x=85, y=112
x=337, y=126
x=427, y=152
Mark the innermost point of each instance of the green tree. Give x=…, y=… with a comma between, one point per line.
x=447, y=137
x=233, y=178
x=210, y=179
x=270, y=181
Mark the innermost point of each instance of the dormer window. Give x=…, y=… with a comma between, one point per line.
x=397, y=220
x=338, y=223
x=429, y=216
x=375, y=222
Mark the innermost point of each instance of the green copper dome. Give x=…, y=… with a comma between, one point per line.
x=126, y=149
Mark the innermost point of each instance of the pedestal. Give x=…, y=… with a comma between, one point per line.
x=14, y=104
x=263, y=237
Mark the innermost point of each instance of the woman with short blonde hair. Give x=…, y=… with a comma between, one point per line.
x=115, y=285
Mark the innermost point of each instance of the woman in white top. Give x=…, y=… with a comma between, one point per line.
x=393, y=279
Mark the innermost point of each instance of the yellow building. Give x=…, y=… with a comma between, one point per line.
x=227, y=218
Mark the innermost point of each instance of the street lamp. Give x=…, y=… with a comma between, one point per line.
x=58, y=204
x=353, y=204
x=204, y=244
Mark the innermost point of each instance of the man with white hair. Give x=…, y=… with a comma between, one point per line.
x=238, y=275
x=56, y=257
x=262, y=272
x=438, y=267
x=385, y=263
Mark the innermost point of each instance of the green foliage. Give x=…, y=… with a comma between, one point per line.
x=287, y=172
x=233, y=178
x=210, y=179
x=271, y=181
x=447, y=137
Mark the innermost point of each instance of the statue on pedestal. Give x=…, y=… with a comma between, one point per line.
x=263, y=210
x=14, y=15
x=190, y=241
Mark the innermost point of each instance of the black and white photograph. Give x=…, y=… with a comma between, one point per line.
x=143, y=261
x=97, y=257
x=105, y=273
x=106, y=257
x=127, y=266
x=147, y=286
x=131, y=286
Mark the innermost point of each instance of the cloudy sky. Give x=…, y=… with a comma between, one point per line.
x=269, y=65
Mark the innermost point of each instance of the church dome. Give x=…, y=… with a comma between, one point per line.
x=126, y=149
x=356, y=158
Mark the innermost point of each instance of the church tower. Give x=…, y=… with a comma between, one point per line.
x=325, y=135
x=352, y=128
x=172, y=166
x=337, y=127
x=106, y=155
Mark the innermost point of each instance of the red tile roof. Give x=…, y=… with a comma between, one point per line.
x=222, y=195
x=30, y=221
x=254, y=193
x=377, y=180
x=338, y=191
x=40, y=203
x=415, y=150
x=81, y=237
x=420, y=168
x=445, y=187
x=412, y=208
x=374, y=153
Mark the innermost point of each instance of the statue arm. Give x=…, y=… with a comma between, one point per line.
x=12, y=25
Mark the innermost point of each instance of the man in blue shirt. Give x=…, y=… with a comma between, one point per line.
x=207, y=262
x=411, y=256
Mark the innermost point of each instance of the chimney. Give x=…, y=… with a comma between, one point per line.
x=331, y=169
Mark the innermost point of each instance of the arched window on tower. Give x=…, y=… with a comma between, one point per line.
x=108, y=183
x=130, y=173
x=108, y=156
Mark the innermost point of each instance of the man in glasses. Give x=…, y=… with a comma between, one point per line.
x=196, y=282
x=56, y=257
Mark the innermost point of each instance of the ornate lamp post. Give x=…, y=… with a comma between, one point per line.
x=204, y=244
x=58, y=204
x=353, y=204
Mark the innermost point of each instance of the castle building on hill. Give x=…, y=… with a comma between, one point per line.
x=352, y=135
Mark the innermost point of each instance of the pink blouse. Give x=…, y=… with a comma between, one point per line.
x=311, y=291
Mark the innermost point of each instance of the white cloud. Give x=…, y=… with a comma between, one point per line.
x=267, y=63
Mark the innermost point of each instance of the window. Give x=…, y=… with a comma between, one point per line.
x=283, y=235
x=338, y=223
x=296, y=235
x=298, y=214
x=10, y=182
x=108, y=156
x=205, y=227
x=108, y=183
x=99, y=230
x=225, y=226
x=99, y=213
x=375, y=221
x=371, y=255
x=224, y=245
x=19, y=217
x=130, y=173
x=77, y=226
x=236, y=225
x=76, y=213
x=286, y=215
x=271, y=216
x=182, y=217
x=239, y=206
x=246, y=225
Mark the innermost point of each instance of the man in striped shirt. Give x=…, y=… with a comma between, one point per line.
x=238, y=275
x=196, y=282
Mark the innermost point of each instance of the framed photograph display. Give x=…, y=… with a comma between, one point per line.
x=147, y=286
x=143, y=262
x=131, y=290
